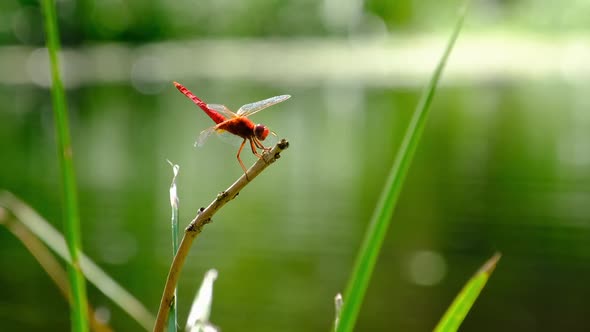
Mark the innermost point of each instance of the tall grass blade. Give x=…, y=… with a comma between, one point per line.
x=371, y=245
x=455, y=314
x=79, y=307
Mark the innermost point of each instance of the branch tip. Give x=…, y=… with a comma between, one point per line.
x=283, y=144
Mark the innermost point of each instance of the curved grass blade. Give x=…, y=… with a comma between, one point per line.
x=198, y=317
x=455, y=314
x=367, y=256
x=55, y=241
x=48, y=262
x=78, y=307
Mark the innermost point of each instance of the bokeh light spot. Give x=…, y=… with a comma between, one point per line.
x=426, y=268
x=102, y=314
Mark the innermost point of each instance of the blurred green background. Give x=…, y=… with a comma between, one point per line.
x=504, y=164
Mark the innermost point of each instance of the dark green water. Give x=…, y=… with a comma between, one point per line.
x=501, y=167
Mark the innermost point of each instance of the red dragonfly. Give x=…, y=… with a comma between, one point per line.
x=235, y=123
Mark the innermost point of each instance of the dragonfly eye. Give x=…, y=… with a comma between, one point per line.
x=260, y=131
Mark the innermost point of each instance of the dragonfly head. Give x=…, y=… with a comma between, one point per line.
x=261, y=131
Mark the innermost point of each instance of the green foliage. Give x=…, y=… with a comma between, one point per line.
x=367, y=256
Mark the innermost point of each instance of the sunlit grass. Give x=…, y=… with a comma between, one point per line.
x=455, y=314
x=371, y=245
x=79, y=306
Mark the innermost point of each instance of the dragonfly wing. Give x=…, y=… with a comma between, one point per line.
x=204, y=135
x=223, y=110
x=258, y=106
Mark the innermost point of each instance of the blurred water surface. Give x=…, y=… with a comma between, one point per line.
x=501, y=167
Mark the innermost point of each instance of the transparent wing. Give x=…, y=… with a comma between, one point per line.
x=252, y=108
x=223, y=110
x=204, y=135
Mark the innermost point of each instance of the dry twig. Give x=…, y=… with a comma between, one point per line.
x=203, y=218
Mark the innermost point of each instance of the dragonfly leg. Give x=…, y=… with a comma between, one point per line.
x=254, y=145
x=260, y=145
x=240, y=159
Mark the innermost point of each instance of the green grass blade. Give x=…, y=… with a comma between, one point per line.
x=79, y=307
x=454, y=316
x=173, y=318
x=369, y=251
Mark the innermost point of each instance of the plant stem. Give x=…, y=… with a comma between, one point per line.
x=79, y=306
x=204, y=217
